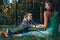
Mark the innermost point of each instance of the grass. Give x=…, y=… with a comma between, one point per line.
x=3, y=28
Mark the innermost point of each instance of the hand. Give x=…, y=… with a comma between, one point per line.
x=38, y=26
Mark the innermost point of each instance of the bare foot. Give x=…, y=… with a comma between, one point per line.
x=46, y=32
x=0, y=33
x=5, y=34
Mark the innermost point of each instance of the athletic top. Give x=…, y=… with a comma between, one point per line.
x=25, y=25
x=53, y=23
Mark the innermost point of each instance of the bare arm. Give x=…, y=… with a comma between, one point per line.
x=45, y=21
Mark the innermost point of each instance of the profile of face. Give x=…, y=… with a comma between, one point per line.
x=48, y=6
x=29, y=17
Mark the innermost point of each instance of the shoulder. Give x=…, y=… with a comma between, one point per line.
x=46, y=13
x=24, y=21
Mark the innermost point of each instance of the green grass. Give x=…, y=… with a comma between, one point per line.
x=13, y=28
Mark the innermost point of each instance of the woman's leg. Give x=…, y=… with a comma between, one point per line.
x=33, y=33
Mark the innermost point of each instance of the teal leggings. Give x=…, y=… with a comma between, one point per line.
x=36, y=33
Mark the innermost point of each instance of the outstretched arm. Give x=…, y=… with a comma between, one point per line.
x=45, y=21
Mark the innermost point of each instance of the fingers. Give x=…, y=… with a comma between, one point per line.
x=38, y=26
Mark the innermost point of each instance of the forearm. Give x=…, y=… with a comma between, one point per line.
x=41, y=26
x=34, y=26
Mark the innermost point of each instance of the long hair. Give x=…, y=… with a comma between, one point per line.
x=52, y=3
x=26, y=15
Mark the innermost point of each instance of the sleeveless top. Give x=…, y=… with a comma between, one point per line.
x=52, y=23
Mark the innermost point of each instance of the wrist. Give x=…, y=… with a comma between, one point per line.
x=34, y=26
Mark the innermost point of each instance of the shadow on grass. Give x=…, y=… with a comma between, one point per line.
x=25, y=38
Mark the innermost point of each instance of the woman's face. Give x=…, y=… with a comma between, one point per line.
x=48, y=6
x=29, y=17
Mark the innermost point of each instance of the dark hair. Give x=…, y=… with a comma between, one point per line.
x=52, y=3
x=26, y=15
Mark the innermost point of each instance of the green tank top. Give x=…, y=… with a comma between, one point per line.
x=52, y=23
